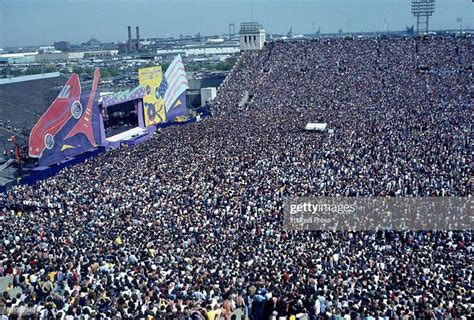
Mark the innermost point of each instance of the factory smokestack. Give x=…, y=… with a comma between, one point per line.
x=138, y=38
x=129, y=44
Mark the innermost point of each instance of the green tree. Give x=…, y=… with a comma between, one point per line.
x=77, y=69
x=224, y=66
x=114, y=71
x=193, y=67
x=50, y=68
x=104, y=73
x=165, y=66
x=89, y=71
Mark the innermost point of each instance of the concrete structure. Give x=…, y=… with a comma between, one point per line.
x=137, y=43
x=207, y=94
x=131, y=45
x=231, y=31
x=29, y=77
x=24, y=99
x=252, y=36
x=123, y=47
x=100, y=53
x=47, y=49
x=62, y=45
x=129, y=39
x=64, y=56
x=200, y=50
x=18, y=58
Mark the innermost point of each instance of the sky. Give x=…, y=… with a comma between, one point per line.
x=41, y=22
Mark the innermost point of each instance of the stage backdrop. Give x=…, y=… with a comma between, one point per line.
x=177, y=110
x=176, y=83
x=70, y=126
x=153, y=103
x=165, y=94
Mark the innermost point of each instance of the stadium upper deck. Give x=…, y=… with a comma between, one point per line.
x=22, y=103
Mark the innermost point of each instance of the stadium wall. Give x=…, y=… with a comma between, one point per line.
x=30, y=77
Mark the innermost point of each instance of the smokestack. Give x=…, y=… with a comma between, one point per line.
x=138, y=38
x=129, y=44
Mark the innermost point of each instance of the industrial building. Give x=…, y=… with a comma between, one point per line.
x=65, y=56
x=18, y=58
x=201, y=50
x=36, y=57
x=62, y=45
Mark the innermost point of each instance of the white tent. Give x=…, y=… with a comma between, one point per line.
x=316, y=126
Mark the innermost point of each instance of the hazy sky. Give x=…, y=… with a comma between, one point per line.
x=35, y=22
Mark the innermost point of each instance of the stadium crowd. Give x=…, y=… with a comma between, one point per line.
x=189, y=225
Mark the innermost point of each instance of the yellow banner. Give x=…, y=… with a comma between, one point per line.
x=153, y=104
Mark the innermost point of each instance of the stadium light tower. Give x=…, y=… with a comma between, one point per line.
x=422, y=10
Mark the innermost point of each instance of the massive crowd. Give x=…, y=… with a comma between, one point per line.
x=189, y=225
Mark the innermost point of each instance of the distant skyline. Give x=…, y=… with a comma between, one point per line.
x=41, y=22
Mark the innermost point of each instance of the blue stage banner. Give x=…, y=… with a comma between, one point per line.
x=178, y=109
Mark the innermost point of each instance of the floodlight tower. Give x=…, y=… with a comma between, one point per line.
x=422, y=10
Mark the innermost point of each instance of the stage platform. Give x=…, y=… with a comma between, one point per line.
x=130, y=137
x=127, y=135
